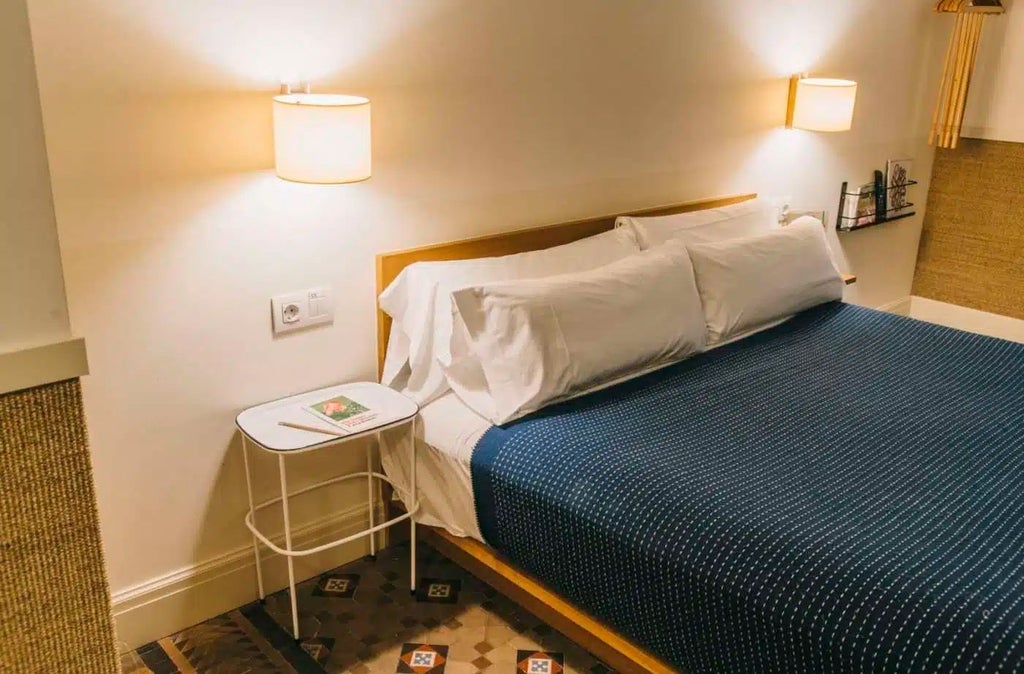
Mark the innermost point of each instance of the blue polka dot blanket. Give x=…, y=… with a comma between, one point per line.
x=842, y=493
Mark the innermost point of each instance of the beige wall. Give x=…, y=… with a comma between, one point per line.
x=487, y=116
x=33, y=310
x=995, y=109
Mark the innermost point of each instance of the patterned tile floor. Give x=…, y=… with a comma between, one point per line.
x=362, y=619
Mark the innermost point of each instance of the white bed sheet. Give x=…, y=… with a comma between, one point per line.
x=447, y=432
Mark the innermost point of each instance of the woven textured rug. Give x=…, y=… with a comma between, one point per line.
x=54, y=601
x=972, y=245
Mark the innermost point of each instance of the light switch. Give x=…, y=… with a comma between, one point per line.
x=319, y=302
x=303, y=309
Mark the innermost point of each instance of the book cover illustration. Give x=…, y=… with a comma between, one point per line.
x=343, y=412
x=898, y=178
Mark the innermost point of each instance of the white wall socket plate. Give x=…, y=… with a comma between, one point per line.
x=302, y=309
x=781, y=205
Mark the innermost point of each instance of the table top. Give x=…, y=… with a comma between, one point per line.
x=261, y=423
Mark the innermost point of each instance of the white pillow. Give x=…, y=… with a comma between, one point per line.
x=524, y=345
x=746, y=284
x=419, y=303
x=747, y=218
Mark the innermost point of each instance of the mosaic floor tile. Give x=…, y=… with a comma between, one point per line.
x=438, y=591
x=318, y=648
x=539, y=662
x=155, y=660
x=337, y=586
x=423, y=659
x=362, y=619
x=132, y=663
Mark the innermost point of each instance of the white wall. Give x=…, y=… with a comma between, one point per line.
x=995, y=109
x=488, y=116
x=33, y=309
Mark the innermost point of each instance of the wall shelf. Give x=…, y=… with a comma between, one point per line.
x=841, y=227
x=846, y=223
x=910, y=183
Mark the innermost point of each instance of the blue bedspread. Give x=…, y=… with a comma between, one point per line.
x=843, y=493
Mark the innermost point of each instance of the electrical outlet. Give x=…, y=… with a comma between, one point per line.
x=303, y=309
x=290, y=313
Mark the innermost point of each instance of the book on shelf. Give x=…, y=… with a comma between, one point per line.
x=343, y=412
x=860, y=206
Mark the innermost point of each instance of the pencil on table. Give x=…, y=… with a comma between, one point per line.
x=312, y=429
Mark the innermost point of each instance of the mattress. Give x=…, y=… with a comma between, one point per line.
x=447, y=432
x=842, y=493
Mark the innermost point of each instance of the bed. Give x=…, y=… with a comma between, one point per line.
x=842, y=492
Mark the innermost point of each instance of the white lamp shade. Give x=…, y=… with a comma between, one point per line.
x=823, y=104
x=322, y=138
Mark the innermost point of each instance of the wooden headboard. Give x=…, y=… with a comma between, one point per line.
x=390, y=265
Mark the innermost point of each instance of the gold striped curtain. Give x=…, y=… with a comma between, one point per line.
x=956, y=74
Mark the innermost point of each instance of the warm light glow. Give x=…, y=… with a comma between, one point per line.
x=821, y=104
x=322, y=138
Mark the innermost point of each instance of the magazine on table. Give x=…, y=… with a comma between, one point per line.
x=343, y=412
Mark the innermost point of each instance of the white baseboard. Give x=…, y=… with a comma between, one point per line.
x=900, y=306
x=971, y=320
x=170, y=603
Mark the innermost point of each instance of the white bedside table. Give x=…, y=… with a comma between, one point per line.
x=261, y=426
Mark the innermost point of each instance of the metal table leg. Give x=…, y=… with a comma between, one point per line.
x=413, y=507
x=252, y=516
x=288, y=545
x=369, y=495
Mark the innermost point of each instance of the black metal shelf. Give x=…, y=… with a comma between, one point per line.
x=909, y=183
x=888, y=215
x=851, y=228
x=846, y=223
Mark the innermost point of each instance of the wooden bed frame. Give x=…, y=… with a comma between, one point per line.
x=485, y=563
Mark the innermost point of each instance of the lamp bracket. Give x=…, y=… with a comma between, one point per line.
x=791, y=104
x=302, y=87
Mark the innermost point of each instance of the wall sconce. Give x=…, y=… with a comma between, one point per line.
x=821, y=104
x=321, y=138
